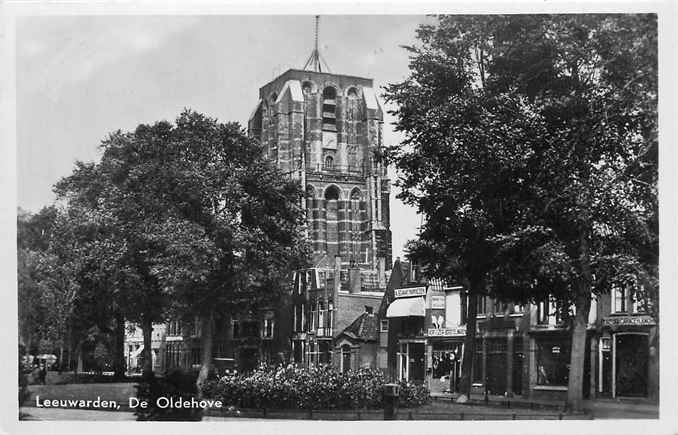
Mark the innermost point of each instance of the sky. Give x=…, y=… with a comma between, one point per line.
x=82, y=77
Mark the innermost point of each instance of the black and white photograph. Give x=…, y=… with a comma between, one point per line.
x=341, y=217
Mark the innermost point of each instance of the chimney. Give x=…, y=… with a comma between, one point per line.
x=337, y=274
x=354, y=283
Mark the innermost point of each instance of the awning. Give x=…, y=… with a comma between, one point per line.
x=405, y=307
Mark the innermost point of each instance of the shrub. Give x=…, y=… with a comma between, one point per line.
x=177, y=384
x=413, y=395
x=308, y=388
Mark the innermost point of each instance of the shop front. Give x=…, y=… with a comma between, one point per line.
x=550, y=360
x=626, y=352
x=408, y=308
x=446, y=350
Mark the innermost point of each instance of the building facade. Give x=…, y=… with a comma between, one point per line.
x=521, y=350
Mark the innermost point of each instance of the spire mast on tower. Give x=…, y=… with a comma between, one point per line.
x=315, y=60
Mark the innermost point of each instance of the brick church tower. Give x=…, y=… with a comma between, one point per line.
x=325, y=130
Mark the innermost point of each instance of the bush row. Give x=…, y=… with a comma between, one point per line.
x=310, y=388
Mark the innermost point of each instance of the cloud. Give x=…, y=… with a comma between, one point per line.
x=53, y=52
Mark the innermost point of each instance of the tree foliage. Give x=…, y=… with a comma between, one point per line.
x=196, y=220
x=531, y=149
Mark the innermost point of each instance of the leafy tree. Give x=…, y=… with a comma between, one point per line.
x=33, y=234
x=105, y=230
x=233, y=230
x=545, y=128
x=200, y=216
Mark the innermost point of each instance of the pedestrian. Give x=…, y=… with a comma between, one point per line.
x=43, y=373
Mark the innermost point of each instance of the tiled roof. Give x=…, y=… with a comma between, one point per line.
x=363, y=328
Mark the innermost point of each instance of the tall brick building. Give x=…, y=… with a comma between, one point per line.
x=325, y=130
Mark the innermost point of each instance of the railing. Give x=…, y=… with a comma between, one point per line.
x=400, y=414
x=357, y=170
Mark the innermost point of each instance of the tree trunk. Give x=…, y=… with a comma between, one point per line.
x=27, y=349
x=78, y=368
x=575, y=392
x=470, y=339
x=582, y=305
x=206, y=343
x=119, y=347
x=147, y=330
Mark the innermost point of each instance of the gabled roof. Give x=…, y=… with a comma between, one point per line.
x=364, y=328
x=322, y=262
x=399, y=275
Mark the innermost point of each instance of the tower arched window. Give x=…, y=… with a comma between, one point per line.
x=329, y=116
x=329, y=162
x=332, y=193
x=329, y=109
x=331, y=214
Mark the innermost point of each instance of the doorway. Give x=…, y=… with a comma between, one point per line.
x=496, y=365
x=631, y=364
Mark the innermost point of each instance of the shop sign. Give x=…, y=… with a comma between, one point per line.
x=438, y=302
x=628, y=321
x=408, y=292
x=446, y=332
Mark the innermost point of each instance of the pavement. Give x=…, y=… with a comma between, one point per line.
x=442, y=407
x=621, y=408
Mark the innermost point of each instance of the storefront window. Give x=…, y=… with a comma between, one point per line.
x=553, y=362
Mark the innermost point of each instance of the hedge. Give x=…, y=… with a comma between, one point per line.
x=310, y=388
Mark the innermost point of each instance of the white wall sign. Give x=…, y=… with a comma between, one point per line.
x=407, y=292
x=446, y=332
x=438, y=302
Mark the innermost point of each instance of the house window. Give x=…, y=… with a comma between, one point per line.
x=321, y=315
x=481, y=306
x=619, y=300
x=500, y=307
x=312, y=354
x=624, y=300
x=384, y=325
x=174, y=328
x=549, y=312
x=268, y=328
x=324, y=352
x=553, y=361
x=345, y=358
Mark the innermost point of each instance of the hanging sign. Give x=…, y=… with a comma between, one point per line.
x=408, y=292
